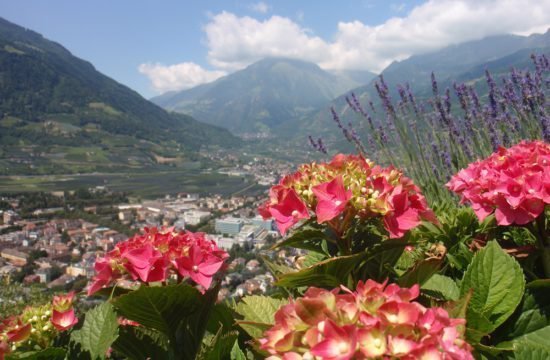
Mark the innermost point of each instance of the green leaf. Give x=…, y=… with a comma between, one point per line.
x=328, y=273
x=535, y=345
x=313, y=258
x=420, y=273
x=276, y=269
x=139, y=343
x=532, y=315
x=237, y=353
x=307, y=239
x=441, y=287
x=160, y=308
x=99, y=331
x=497, y=282
x=539, y=283
x=258, y=313
x=191, y=330
x=218, y=346
x=457, y=309
x=220, y=316
x=381, y=260
x=52, y=353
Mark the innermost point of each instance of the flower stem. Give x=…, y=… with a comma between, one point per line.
x=542, y=238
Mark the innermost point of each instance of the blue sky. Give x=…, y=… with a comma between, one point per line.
x=154, y=47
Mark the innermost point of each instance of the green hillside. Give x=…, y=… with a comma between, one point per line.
x=58, y=114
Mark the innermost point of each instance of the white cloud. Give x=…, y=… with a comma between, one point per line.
x=234, y=42
x=260, y=7
x=179, y=76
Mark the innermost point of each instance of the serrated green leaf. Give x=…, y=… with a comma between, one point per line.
x=237, y=353
x=258, y=313
x=218, y=346
x=497, y=282
x=532, y=314
x=221, y=316
x=52, y=353
x=313, y=258
x=259, y=308
x=99, y=331
x=535, y=345
x=420, y=272
x=160, y=308
x=308, y=239
x=441, y=287
x=457, y=309
x=277, y=269
x=328, y=273
x=138, y=343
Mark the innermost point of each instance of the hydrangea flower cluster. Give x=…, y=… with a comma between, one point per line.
x=347, y=187
x=37, y=326
x=375, y=321
x=513, y=183
x=156, y=255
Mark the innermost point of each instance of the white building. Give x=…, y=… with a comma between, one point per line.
x=195, y=217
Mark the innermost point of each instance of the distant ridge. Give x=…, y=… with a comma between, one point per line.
x=464, y=62
x=266, y=95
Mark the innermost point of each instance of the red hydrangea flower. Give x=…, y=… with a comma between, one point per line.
x=199, y=266
x=156, y=255
x=332, y=199
x=345, y=188
x=513, y=183
x=63, y=302
x=63, y=316
x=64, y=320
x=375, y=321
x=37, y=326
x=288, y=210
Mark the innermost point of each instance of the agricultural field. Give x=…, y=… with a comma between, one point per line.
x=144, y=184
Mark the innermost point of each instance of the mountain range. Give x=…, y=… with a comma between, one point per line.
x=293, y=98
x=462, y=63
x=263, y=97
x=59, y=114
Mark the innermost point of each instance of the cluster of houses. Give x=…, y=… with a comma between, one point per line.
x=64, y=250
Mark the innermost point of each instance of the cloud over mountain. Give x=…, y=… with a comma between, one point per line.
x=234, y=42
x=179, y=76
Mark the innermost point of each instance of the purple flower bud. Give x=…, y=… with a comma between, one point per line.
x=383, y=135
x=492, y=94
x=447, y=101
x=351, y=105
x=336, y=118
x=321, y=146
x=435, y=91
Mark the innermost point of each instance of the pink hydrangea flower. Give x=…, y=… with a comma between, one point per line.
x=63, y=316
x=346, y=188
x=332, y=199
x=64, y=320
x=374, y=321
x=156, y=255
x=513, y=183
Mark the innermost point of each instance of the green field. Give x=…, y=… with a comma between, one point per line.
x=148, y=185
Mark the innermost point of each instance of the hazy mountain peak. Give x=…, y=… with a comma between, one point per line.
x=262, y=97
